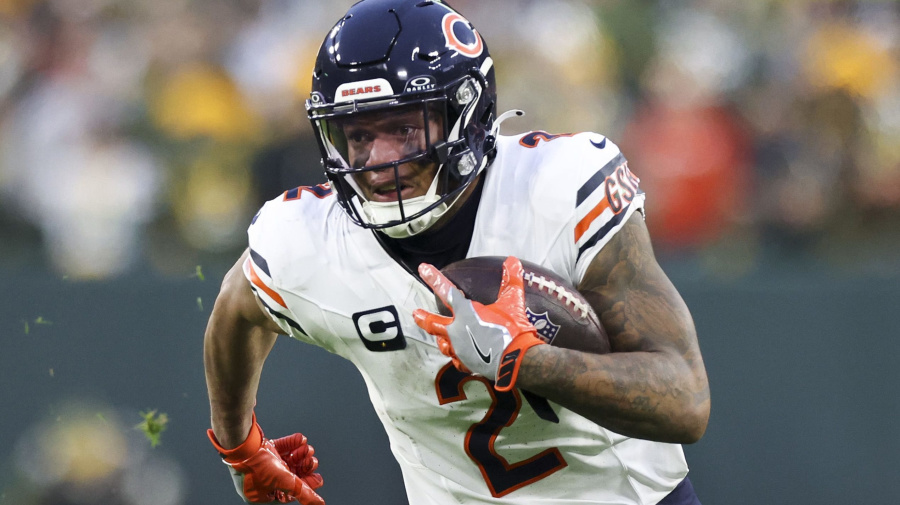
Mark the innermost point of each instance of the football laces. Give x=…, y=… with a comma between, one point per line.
x=561, y=292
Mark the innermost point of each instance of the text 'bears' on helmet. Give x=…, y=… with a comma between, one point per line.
x=389, y=55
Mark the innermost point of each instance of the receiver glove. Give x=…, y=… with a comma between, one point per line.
x=266, y=471
x=489, y=340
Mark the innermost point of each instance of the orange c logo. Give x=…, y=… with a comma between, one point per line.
x=471, y=50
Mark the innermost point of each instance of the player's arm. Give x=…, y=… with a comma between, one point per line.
x=239, y=337
x=654, y=384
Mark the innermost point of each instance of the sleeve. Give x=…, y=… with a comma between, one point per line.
x=608, y=194
x=260, y=274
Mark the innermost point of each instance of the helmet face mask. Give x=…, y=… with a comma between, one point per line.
x=348, y=137
x=400, y=59
x=395, y=146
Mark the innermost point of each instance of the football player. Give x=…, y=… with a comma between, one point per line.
x=477, y=409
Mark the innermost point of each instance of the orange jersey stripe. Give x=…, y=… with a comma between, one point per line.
x=261, y=285
x=585, y=223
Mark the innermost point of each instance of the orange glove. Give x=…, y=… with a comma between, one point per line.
x=266, y=471
x=489, y=340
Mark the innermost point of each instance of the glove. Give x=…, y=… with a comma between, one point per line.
x=489, y=340
x=266, y=471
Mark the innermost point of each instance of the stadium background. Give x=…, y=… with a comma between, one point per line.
x=138, y=137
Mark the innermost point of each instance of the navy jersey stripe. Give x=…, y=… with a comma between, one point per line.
x=597, y=179
x=260, y=262
x=683, y=494
x=293, y=324
x=612, y=223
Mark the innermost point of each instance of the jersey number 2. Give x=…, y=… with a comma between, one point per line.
x=501, y=477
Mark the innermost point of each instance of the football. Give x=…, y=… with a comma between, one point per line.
x=559, y=313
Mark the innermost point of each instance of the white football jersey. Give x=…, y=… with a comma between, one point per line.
x=554, y=200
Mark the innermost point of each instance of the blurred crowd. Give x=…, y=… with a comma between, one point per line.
x=84, y=453
x=144, y=134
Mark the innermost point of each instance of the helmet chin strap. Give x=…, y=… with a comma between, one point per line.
x=384, y=212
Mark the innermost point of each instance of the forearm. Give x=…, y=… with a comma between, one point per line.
x=649, y=395
x=233, y=367
x=653, y=385
x=238, y=339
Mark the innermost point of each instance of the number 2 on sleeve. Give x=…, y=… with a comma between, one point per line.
x=501, y=477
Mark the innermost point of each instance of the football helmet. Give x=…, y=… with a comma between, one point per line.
x=386, y=56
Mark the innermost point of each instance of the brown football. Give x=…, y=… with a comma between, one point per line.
x=561, y=315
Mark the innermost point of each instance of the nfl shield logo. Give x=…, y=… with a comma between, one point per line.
x=545, y=328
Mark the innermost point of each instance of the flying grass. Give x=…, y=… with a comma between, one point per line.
x=152, y=425
x=37, y=321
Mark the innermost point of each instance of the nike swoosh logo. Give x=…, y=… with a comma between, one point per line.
x=484, y=357
x=601, y=145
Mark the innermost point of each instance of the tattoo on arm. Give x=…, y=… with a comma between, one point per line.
x=654, y=384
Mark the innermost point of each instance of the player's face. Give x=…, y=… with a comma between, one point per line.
x=387, y=136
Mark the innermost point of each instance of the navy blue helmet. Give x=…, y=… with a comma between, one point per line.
x=402, y=55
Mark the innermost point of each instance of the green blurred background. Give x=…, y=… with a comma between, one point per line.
x=138, y=137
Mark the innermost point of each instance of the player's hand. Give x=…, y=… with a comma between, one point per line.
x=489, y=340
x=270, y=471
